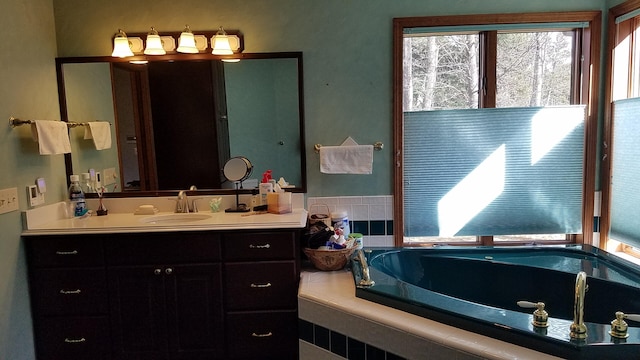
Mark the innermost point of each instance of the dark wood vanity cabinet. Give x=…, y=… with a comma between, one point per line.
x=69, y=301
x=165, y=295
x=261, y=274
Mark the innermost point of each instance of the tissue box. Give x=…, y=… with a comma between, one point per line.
x=279, y=203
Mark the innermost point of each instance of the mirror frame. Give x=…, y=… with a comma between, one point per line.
x=60, y=61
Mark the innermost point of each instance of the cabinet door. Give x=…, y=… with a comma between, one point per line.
x=194, y=311
x=136, y=296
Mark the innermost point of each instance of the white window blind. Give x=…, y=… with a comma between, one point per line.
x=498, y=171
x=625, y=177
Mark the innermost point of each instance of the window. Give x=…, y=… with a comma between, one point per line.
x=474, y=77
x=620, y=228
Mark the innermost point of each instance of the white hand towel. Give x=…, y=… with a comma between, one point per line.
x=100, y=132
x=347, y=159
x=52, y=137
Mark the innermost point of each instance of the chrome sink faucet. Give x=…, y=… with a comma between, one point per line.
x=182, y=202
x=193, y=205
x=578, y=328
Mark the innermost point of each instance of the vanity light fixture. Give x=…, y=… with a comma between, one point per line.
x=187, y=42
x=121, y=46
x=151, y=43
x=220, y=43
x=154, y=43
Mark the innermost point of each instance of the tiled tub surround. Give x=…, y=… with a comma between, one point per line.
x=327, y=301
x=371, y=216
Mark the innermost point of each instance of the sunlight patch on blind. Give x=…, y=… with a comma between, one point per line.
x=550, y=126
x=464, y=201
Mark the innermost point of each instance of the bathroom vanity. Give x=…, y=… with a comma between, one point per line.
x=224, y=287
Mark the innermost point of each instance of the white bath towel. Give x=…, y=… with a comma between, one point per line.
x=346, y=159
x=52, y=137
x=100, y=132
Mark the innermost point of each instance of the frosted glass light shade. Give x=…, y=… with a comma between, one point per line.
x=121, y=47
x=220, y=45
x=154, y=44
x=187, y=42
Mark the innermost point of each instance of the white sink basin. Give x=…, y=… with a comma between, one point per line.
x=175, y=218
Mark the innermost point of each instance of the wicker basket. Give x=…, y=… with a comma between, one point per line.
x=329, y=260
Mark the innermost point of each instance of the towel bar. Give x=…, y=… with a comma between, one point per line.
x=378, y=145
x=13, y=122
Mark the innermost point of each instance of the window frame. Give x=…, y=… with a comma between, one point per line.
x=607, y=137
x=588, y=82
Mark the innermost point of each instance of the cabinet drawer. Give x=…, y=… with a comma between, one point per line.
x=260, y=246
x=64, y=251
x=69, y=291
x=260, y=285
x=163, y=248
x=72, y=338
x=263, y=335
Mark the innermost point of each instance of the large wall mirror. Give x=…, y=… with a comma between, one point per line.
x=177, y=119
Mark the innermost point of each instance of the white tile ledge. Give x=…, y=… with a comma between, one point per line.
x=336, y=291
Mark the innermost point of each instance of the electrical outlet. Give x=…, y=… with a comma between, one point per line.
x=8, y=200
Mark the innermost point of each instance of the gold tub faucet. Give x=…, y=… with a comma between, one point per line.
x=578, y=328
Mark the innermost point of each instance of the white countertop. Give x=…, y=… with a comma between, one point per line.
x=46, y=221
x=336, y=290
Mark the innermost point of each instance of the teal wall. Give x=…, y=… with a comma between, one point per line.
x=347, y=56
x=347, y=77
x=28, y=91
x=89, y=103
x=270, y=86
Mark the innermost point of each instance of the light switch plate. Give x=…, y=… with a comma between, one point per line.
x=109, y=176
x=8, y=200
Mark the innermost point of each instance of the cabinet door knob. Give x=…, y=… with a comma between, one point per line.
x=70, y=292
x=262, y=335
x=157, y=271
x=168, y=271
x=265, y=246
x=74, y=341
x=261, y=285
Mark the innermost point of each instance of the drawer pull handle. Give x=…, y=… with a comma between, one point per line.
x=74, y=341
x=74, y=252
x=168, y=271
x=70, y=292
x=262, y=335
x=157, y=271
x=265, y=246
x=261, y=285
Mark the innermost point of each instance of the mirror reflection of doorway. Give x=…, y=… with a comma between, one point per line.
x=163, y=109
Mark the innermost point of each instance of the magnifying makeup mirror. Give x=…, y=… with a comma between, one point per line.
x=238, y=169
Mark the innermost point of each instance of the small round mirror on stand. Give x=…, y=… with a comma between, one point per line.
x=237, y=169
